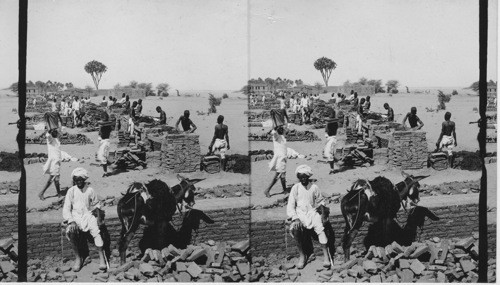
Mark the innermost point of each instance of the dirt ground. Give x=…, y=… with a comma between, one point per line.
x=232, y=108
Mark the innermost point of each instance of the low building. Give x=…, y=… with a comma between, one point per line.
x=258, y=88
x=31, y=90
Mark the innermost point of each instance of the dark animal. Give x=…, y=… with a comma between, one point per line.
x=375, y=201
x=405, y=235
x=154, y=204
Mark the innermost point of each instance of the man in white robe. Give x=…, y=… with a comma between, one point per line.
x=303, y=203
x=53, y=164
x=79, y=203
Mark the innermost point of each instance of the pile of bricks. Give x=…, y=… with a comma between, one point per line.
x=268, y=105
x=258, y=116
x=9, y=187
x=181, y=153
x=207, y=262
x=224, y=191
x=41, y=107
x=258, y=155
x=8, y=259
x=408, y=149
x=63, y=139
x=432, y=261
x=291, y=136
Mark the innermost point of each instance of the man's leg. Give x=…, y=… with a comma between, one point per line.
x=74, y=240
x=47, y=185
x=299, y=236
x=283, y=181
x=95, y=232
x=323, y=240
x=58, y=186
x=275, y=179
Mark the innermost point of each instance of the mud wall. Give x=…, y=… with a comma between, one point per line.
x=8, y=220
x=408, y=149
x=229, y=224
x=455, y=221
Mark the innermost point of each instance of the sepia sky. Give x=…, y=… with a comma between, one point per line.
x=200, y=45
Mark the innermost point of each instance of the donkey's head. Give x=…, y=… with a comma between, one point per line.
x=187, y=190
x=412, y=187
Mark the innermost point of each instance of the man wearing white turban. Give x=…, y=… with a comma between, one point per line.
x=303, y=202
x=77, y=211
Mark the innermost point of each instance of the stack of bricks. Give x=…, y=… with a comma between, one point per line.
x=408, y=150
x=351, y=132
x=268, y=105
x=40, y=107
x=181, y=153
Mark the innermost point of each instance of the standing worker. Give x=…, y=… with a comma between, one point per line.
x=278, y=162
x=187, y=125
x=446, y=140
x=53, y=164
x=220, y=141
x=413, y=119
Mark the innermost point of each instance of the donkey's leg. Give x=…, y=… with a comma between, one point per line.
x=347, y=240
x=126, y=237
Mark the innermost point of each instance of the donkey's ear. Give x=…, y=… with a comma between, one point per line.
x=180, y=177
x=418, y=178
x=196, y=180
x=404, y=174
x=431, y=215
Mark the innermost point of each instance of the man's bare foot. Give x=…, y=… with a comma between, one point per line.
x=78, y=265
x=302, y=262
x=267, y=194
x=41, y=196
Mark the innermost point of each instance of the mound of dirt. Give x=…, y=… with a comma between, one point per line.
x=10, y=162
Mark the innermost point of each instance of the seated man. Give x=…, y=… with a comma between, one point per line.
x=163, y=115
x=445, y=139
x=79, y=203
x=413, y=119
x=390, y=112
x=220, y=141
x=187, y=125
x=303, y=208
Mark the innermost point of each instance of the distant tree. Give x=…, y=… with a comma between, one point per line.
x=95, y=69
x=117, y=86
x=392, y=84
x=318, y=85
x=442, y=99
x=363, y=81
x=89, y=89
x=377, y=84
x=41, y=86
x=455, y=92
x=133, y=84
x=68, y=85
x=347, y=84
x=299, y=82
x=147, y=87
x=14, y=87
x=325, y=66
x=30, y=84
x=162, y=88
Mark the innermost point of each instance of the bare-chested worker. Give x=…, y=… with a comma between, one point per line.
x=220, y=141
x=446, y=140
x=163, y=115
x=413, y=119
x=187, y=125
x=390, y=112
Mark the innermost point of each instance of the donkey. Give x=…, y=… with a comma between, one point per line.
x=153, y=204
x=375, y=201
